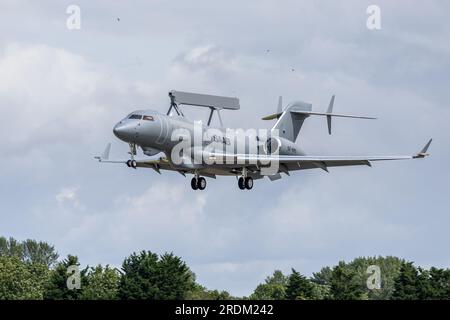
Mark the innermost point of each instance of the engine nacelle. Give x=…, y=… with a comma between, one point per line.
x=278, y=145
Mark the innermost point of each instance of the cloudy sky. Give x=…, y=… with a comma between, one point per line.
x=62, y=90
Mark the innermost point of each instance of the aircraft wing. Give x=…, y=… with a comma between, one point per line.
x=290, y=163
x=293, y=163
x=156, y=164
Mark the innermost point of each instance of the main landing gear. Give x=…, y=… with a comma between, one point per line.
x=198, y=183
x=245, y=183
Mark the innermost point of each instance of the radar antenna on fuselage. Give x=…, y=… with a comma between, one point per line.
x=214, y=103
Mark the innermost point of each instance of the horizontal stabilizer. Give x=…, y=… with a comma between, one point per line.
x=329, y=114
x=311, y=113
x=272, y=116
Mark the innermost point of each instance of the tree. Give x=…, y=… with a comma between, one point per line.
x=39, y=252
x=274, y=288
x=298, y=287
x=147, y=276
x=57, y=288
x=323, y=276
x=433, y=284
x=345, y=284
x=321, y=291
x=101, y=284
x=19, y=280
x=29, y=251
x=389, y=270
x=199, y=292
x=406, y=284
x=176, y=277
x=11, y=248
x=440, y=283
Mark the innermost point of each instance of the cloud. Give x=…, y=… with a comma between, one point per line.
x=160, y=218
x=69, y=195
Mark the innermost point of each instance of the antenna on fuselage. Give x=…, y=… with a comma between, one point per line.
x=214, y=103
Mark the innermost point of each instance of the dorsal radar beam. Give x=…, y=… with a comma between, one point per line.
x=214, y=103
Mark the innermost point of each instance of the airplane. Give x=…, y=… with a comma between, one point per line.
x=154, y=133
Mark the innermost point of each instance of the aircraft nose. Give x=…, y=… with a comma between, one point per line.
x=124, y=131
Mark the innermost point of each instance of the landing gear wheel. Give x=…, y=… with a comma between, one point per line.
x=241, y=183
x=194, y=184
x=133, y=164
x=129, y=163
x=248, y=183
x=201, y=183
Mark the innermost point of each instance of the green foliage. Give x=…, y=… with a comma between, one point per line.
x=29, y=270
x=11, y=248
x=357, y=270
x=274, y=288
x=323, y=277
x=298, y=287
x=29, y=251
x=199, y=292
x=439, y=281
x=19, y=280
x=39, y=252
x=345, y=284
x=389, y=268
x=406, y=284
x=101, y=284
x=57, y=288
x=418, y=284
x=147, y=276
x=321, y=291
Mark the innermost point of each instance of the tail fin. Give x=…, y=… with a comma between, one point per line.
x=291, y=120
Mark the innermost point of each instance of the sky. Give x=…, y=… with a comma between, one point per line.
x=62, y=91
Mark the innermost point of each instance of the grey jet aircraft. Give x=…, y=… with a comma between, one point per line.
x=217, y=152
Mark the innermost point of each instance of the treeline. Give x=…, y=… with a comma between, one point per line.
x=31, y=270
x=398, y=280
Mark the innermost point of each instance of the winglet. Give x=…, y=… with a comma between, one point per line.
x=105, y=154
x=330, y=111
x=423, y=153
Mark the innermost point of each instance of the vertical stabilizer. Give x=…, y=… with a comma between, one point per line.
x=289, y=123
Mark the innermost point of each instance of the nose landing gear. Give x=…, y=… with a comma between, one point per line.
x=132, y=164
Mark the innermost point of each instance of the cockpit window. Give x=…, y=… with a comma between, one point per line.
x=135, y=116
x=149, y=118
